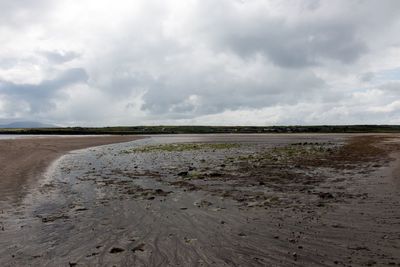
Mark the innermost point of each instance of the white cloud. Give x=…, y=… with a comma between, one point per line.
x=394, y=106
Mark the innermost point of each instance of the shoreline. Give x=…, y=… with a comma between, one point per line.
x=24, y=160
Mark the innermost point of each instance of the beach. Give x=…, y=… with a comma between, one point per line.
x=210, y=200
x=23, y=160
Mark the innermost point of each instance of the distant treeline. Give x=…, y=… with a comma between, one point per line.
x=207, y=129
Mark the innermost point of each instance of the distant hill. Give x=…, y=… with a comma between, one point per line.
x=26, y=124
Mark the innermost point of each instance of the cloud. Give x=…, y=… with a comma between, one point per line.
x=37, y=98
x=19, y=13
x=290, y=46
x=189, y=62
x=219, y=89
x=59, y=57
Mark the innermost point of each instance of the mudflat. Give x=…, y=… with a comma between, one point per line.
x=23, y=160
x=213, y=200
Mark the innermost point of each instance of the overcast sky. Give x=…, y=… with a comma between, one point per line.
x=205, y=62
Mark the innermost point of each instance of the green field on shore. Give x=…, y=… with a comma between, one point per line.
x=207, y=129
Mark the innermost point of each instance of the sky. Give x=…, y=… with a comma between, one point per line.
x=200, y=62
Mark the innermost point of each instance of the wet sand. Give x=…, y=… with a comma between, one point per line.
x=214, y=200
x=24, y=160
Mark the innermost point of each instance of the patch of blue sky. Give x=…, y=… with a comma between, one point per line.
x=388, y=75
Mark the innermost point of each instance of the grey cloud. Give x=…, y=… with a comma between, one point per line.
x=39, y=97
x=367, y=77
x=59, y=57
x=290, y=46
x=17, y=13
x=312, y=4
x=227, y=93
x=391, y=89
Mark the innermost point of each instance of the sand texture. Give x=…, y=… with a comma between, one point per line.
x=23, y=160
x=211, y=200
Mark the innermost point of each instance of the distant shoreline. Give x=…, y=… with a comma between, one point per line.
x=140, y=130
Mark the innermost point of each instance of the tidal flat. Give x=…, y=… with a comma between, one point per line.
x=213, y=200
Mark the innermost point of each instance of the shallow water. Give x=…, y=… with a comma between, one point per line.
x=17, y=136
x=10, y=136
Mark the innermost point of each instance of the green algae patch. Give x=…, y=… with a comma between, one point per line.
x=290, y=154
x=181, y=147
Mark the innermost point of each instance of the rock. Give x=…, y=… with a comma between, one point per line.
x=116, y=250
x=203, y=203
x=80, y=208
x=215, y=174
x=294, y=254
x=53, y=218
x=370, y=263
x=184, y=173
x=161, y=192
x=92, y=254
x=325, y=195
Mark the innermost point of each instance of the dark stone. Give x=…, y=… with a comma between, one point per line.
x=116, y=250
x=325, y=195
